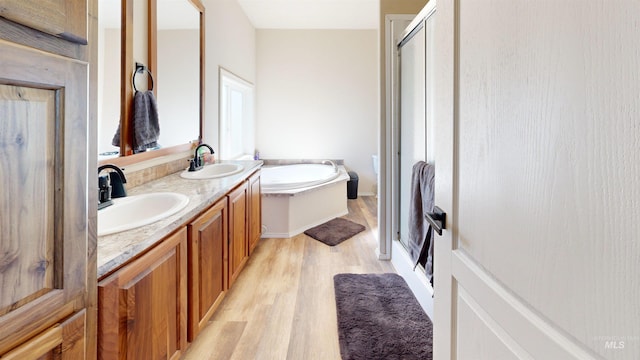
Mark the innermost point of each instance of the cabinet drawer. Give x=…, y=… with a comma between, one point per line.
x=61, y=341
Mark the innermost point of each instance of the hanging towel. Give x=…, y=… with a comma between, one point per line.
x=421, y=202
x=146, y=124
x=116, y=137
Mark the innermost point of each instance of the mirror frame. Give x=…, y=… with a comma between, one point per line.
x=127, y=156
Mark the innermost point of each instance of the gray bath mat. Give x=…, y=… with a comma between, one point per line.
x=335, y=231
x=379, y=318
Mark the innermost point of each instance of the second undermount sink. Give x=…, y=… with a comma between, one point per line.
x=213, y=171
x=134, y=211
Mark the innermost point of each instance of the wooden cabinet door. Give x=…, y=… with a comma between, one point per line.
x=255, y=211
x=64, y=18
x=44, y=235
x=208, y=265
x=64, y=341
x=142, y=307
x=238, y=251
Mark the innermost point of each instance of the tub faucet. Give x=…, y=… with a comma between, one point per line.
x=110, y=186
x=198, y=160
x=335, y=167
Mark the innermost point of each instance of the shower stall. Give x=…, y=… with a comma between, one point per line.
x=415, y=129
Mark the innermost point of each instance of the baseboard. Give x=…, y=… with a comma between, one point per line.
x=366, y=193
x=416, y=280
x=382, y=256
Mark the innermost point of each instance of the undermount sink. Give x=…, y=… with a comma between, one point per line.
x=213, y=171
x=134, y=211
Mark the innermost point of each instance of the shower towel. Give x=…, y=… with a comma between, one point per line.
x=116, y=137
x=421, y=202
x=146, y=124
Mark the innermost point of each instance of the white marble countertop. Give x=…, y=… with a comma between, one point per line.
x=117, y=249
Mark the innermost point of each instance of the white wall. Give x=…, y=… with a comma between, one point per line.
x=230, y=43
x=317, y=97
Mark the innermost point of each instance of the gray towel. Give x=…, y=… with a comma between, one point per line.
x=420, y=235
x=146, y=124
x=116, y=137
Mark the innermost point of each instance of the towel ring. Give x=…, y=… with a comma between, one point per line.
x=140, y=68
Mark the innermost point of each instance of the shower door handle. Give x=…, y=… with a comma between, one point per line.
x=437, y=219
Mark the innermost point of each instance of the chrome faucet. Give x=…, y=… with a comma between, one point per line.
x=110, y=186
x=197, y=162
x=335, y=167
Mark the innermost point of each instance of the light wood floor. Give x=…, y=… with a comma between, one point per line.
x=282, y=305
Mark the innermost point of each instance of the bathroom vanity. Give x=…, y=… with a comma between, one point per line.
x=159, y=284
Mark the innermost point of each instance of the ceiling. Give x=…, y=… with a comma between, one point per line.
x=312, y=14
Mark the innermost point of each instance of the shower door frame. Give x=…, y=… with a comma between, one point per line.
x=390, y=214
x=424, y=21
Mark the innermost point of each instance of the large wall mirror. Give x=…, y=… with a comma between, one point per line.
x=167, y=36
x=109, y=75
x=179, y=70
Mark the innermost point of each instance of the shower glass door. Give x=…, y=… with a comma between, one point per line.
x=416, y=121
x=412, y=119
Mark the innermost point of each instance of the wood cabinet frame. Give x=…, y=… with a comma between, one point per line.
x=66, y=19
x=254, y=211
x=67, y=244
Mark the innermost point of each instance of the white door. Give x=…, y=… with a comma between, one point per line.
x=538, y=163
